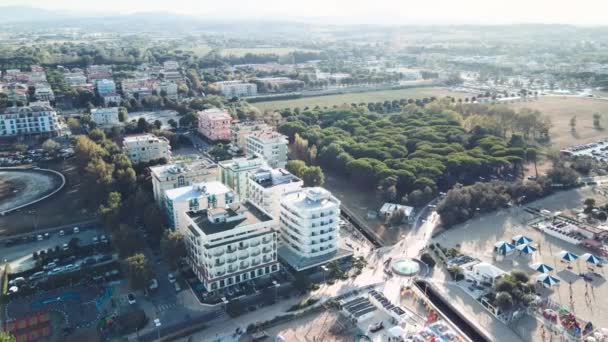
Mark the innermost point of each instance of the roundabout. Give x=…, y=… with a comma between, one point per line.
x=408, y=267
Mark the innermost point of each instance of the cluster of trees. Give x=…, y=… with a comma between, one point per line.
x=463, y=202
x=513, y=289
x=421, y=148
x=310, y=175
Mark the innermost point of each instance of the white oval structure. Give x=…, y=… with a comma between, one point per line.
x=20, y=188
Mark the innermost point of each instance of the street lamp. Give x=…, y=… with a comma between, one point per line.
x=157, y=324
x=325, y=269
x=225, y=302
x=276, y=289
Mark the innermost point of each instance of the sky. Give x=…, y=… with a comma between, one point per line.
x=579, y=12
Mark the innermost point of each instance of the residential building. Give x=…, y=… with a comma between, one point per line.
x=169, y=89
x=278, y=84
x=105, y=116
x=239, y=131
x=138, y=88
x=43, y=92
x=171, y=75
x=111, y=99
x=229, y=246
x=236, y=88
x=270, y=145
x=96, y=72
x=181, y=173
x=170, y=65
x=146, y=147
x=214, y=124
x=75, y=78
x=32, y=120
x=234, y=173
x=105, y=87
x=308, y=224
x=16, y=92
x=195, y=197
x=266, y=186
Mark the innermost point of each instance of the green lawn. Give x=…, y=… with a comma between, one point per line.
x=370, y=96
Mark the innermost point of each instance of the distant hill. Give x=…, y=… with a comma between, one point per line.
x=13, y=14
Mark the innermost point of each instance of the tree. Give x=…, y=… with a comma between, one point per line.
x=110, y=210
x=173, y=247
x=313, y=176
x=301, y=282
x=138, y=270
x=596, y=121
x=589, y=204
x=172, y=123
x=573, y=123
x=73, y=124
x=123, y=114
x=6, y=337
x=126, y=239
x=50, y=145
x=504, y=301
x=158, y=124
x=296, y=167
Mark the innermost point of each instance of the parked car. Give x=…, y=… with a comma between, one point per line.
x=47, y=236
x=17, y=281
x=177, y=287
x=376, y=327
x=65, y=247
x=171, y=278
x=104, y=239
x=131, y=298
x=36, y=275
x=39, y=238
x=70, y=267
x=76, y=230
x=153, y=284
x=95, y=240
x=49, y=266
x=61, y=232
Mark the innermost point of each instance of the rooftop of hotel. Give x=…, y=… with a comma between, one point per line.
x=182, y=167
x=196, y=190
x=266, y=135
x=215, y=114
x=242, y=163
x=310, y=198
x=268, y=177
x=225, y=219
x=143, y=138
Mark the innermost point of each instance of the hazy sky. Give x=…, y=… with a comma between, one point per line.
x=581, y=12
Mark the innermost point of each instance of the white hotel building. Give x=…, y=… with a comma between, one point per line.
x=266, y=186
x=237, y=88
x=180, y=174
x=105, y=116
x=146, y=147
x=228, y=246
x=200, y=196
x=309, y=228
x=269, y=145
x=32, y=120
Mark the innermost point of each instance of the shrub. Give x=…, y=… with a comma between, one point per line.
x=428, y=259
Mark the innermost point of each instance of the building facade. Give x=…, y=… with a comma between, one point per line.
x=266, y=186
x=32, y=120
x=214, y=124
x=105, y=116
x=195, y=197
x=180, y=174
x=270, y=145
x=146, y=147
x=240, y=131
x=229, y=246
x=105, y=87
x=237, y=88
x=43, y=92
x=308, y=224
x=234, y=173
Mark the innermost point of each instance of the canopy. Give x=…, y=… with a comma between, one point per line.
x=526, y=249
x=542, y=268
x=521, y=240
x=547, y=280
x=503, y=247
x=397, y=331
x=590, y=258
x=568, y=256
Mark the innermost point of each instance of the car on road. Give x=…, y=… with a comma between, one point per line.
x=104, y=239
x=65, y=247
x=76, y=230
x=376, y=327
x=70, y=268
x=95, y=240
x=62, y=232
x=39, y=238
x=131, y=298
x=153, y=284
x=36, y=275
x=177, y=287
x=17, y=281
x=47, y=236
x=171, y=278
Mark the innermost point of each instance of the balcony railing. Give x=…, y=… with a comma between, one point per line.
x=266, y=250
x=219, y=253
x=255, y=262
x=219, y=263
x=255, y=244
x=230, y=251
x=256, y=253
x=244, y=246
x=244, y=265
x=231, y=260
x=243, y=257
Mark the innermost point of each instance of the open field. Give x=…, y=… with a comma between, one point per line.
x=64, y=207
x=562, y=109
x=370, y=96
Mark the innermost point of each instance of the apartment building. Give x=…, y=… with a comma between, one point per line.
x=308, y=224
x=111, y=99
x=96, y=72
x=105, y=87
x=171, y=75
x=240, y=131
x=105, y=116
x=169, y=89
x=266, y=186
x=236, y=88
x=75, y=78
x=214, y=124
x=270, y=145
x=229, y=246
x=170, y=65
x=43, y=92
x=235, y=172
x=32, y=120
x=138, y=88
x=146, y=147
x=195, y=197
x=180, y=174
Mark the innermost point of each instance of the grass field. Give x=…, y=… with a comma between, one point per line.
x=370, y=96
x=562, y=109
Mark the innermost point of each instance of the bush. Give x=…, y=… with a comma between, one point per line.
x=428, y=259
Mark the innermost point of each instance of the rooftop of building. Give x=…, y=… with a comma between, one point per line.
x=310, y=198
x=225, y=219
x=300, y=264
x=196, y=190
x=267, y=135
x=28, y=109
x=104, y=110
x=268, y=177
x=243, y=163
x=232, y=82
x=215, y=114
x=182, y=167
x=138, y=138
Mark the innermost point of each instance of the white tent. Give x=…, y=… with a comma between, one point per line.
x=397, y=331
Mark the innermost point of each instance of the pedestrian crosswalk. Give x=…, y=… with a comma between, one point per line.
x=166, y=306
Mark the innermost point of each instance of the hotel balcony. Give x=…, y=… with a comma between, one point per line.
x=244, y=246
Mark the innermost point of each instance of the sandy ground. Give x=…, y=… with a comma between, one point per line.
x=20, y=187
x=317, y=327
x=503, y=225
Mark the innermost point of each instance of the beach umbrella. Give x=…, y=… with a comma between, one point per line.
x=504, y=247
x=521, y=240
x=590, y=258
x=568, y=256
x=526, y=249
x=547, y=280
x=542, y=268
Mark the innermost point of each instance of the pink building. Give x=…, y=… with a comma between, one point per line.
x=214, y=124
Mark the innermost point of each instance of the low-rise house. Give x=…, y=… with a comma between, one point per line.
x=105, y=116
x=146, y=147
x=214, y=124
x=180, y=174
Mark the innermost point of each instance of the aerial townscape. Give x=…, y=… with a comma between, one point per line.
x=303, y=171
